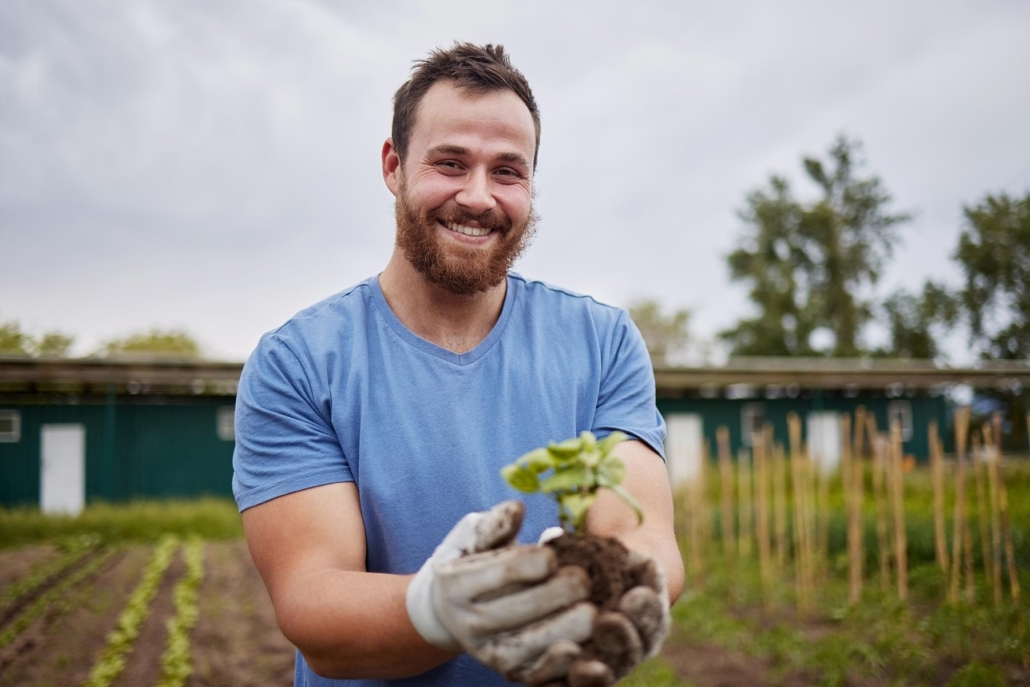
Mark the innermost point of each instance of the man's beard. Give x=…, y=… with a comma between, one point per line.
x=467, y=270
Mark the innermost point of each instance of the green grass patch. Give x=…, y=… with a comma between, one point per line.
x=146, y=521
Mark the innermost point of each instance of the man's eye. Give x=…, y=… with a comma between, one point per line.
x=449, y=164
x=508, y=172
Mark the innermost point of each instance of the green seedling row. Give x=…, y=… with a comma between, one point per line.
x=40, y=605
x=111, y=661
x=41, y=574
x=175, y=663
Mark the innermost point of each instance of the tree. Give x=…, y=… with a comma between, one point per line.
x=994, y=255
x=53, y=344
x=808, y=262
x=160, y=343
x=14, y=340
x=664, y=335
x=917, y=322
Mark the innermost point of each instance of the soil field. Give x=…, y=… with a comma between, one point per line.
x=235, y=641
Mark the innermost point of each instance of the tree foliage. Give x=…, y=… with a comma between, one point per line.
x=162, y=343
x=917, y=322
x=14, y=340
x=994, y=255
x=663, y=334
x=809, y=262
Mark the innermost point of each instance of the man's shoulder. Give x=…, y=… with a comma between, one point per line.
x=548, y=300
x=325, y=321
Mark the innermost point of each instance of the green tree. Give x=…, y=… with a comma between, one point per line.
x=808, y=263
x=918, y=321
x=994, y=255
x=14, y=340
x=171, y=343
x=663, y=334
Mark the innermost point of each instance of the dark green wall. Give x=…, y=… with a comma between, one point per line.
x=157, y=448
x=716, y=412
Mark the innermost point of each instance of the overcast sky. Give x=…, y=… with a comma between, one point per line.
x=215, y=166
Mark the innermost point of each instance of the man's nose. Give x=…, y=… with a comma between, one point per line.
x=476, y=194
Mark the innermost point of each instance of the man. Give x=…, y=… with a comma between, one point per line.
x=372, y=422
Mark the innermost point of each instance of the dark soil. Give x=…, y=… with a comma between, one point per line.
x=143, y=661
x=25, y=600
x=17, y=563
x=605, y=561
x=60, y=647
x=236, y=640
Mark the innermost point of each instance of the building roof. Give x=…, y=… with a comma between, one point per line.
x=151, y=375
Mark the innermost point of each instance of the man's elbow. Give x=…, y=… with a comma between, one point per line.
x=674, y=577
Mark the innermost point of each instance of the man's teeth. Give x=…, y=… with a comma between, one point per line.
x=468, y=231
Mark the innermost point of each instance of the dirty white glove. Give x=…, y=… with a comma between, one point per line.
x=504, y=604
x=620, y=640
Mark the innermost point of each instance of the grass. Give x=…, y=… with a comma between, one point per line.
x=922, y=642
x=146, y=521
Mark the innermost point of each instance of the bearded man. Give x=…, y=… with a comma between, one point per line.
x=372, y=426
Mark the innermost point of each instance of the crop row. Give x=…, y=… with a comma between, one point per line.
x=75, y=550
x=175, y=663
x=41, y=604
x=111, y=661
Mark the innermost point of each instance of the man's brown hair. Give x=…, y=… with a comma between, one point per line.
x=473, y=68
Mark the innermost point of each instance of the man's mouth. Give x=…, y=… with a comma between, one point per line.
x=466, y=230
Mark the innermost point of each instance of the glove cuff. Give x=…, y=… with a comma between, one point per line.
x=419, y=602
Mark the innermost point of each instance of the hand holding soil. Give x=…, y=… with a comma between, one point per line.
x=502, y=603
x=627, y=589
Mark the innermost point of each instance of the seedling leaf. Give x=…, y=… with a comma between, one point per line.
x=571, y=478
x=521, y=478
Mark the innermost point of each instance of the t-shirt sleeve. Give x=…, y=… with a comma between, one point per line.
x=626, y=401
x=285, y=441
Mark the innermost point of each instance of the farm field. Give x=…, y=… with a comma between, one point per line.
x=88, y=601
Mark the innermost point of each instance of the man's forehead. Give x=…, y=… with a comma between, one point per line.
x=447, y=111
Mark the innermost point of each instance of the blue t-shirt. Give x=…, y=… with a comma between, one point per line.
x=344, y=392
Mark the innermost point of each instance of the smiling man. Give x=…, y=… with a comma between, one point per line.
x=371, y=427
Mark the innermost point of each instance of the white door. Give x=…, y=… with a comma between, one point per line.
x=683, y=447
x=62, y=483
x=824, y=439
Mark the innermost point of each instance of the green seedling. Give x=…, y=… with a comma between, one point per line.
x=576, y=469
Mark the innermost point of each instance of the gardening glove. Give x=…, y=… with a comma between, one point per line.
x=624, y=638
x=504, y=604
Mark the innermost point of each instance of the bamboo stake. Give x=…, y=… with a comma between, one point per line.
x=958, y=529
x=797, y=482
x=897, y=492
x=847, y=478
x=779, y=465
x=880, y=503
x=937, y=475
x=822, y=479
x=808, y=501
x=982, y=509
x=992, y=484
x=704, y=512
x=1003, y=502
x=857, y=531
x=722, y=437
x=762, y=515
x=744, y=502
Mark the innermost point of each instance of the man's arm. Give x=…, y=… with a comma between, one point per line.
x=309, y=547
x=647, y=480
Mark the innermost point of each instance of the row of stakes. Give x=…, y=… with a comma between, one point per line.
x=754, y=495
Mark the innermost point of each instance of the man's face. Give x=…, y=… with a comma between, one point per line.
x=464, y=193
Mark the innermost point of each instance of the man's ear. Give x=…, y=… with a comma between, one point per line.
x=391, y=167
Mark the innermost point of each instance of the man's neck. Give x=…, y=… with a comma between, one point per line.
x=457, y=323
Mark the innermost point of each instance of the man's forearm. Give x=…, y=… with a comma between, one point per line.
x=664, y=550
x=354, y=625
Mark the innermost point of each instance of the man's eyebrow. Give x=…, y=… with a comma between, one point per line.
x=514, y=158
x=448, y=149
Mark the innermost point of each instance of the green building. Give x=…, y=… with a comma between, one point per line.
x=77, y=431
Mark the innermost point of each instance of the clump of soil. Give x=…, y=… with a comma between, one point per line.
x=605, y=561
